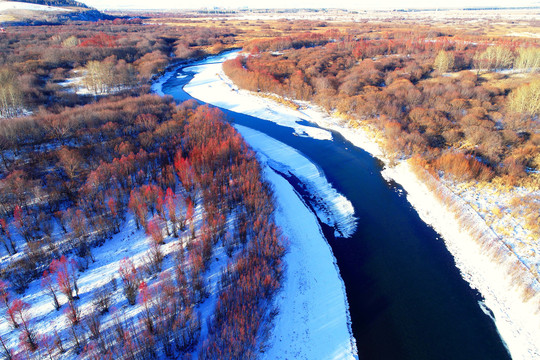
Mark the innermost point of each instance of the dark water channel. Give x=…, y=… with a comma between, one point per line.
x=407, y=298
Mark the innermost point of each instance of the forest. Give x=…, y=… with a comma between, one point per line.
x=84, y=172
x=450, y=100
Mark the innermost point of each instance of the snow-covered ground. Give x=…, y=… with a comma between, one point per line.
x=75, y=84
x=518, y=321
x=12, y=5
x=313, y=320
x=525, y=34
x=102, y=275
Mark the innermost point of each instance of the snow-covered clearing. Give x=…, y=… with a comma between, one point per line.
x=102, y=275
x=75, y=84
x=518, y=321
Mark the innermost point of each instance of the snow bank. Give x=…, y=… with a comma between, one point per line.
x=313, y=321
x=332, y=208
x=518, y=323
x=210, y=84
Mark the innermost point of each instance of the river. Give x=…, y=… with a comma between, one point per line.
x=407, y=299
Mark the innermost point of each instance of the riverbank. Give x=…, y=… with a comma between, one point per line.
x=517, y=320
x=312, y=321
x=312, y=318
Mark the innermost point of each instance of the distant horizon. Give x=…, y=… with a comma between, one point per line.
x=305, y=4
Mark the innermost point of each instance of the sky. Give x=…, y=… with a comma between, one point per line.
x=347, y=4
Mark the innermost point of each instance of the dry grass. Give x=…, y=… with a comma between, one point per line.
x=281, y=100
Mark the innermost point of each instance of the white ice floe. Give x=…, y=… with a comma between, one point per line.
x=331, y=207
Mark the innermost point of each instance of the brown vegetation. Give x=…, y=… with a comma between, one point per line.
x=387, y=82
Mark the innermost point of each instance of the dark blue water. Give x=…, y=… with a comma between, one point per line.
x=407, y=298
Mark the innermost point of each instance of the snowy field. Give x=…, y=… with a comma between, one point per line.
x=11, y=5
x=517, y=321
x=377, y=13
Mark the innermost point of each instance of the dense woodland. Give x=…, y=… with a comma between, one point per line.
x=453, y=101
x=79, y=168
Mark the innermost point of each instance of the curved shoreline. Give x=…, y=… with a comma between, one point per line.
x=313, y=320
x=518, y=322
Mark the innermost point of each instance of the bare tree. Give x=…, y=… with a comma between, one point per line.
x=528, y=59
x=493, y=58
x=526, y=99
x=11, y=102
x=99, y=75
x=444, y=61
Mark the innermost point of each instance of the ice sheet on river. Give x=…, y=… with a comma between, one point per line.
x=331, y=207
